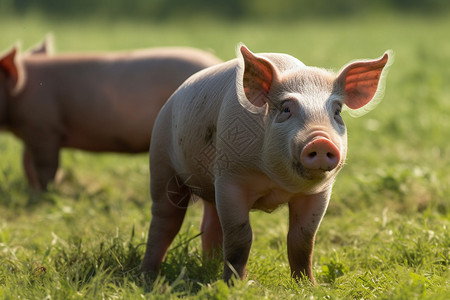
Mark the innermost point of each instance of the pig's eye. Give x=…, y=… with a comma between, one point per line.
x=285, y=113
x=337, y=115
x=338, y=112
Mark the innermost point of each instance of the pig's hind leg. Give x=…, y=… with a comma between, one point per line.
x=212, y=237
x=170, y=200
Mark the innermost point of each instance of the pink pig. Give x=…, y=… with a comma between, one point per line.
x=256, y=132
x=93, y=102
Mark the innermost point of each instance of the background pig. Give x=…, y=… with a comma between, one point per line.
x=253, y=133
x=94, y=102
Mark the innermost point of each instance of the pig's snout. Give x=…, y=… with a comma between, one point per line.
x=320, y=154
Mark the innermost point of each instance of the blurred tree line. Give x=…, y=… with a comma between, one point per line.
x=159, y=10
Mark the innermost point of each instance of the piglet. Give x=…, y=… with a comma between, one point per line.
x=256, y=132
x=94, y=102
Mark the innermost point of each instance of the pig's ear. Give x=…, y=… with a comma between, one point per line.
x=362, y=81
x=46, y=47
x=12, y=70
x=257, y=77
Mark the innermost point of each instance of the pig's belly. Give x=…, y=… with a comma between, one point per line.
x=94, y=142
x=199, y=185
x=271, y=200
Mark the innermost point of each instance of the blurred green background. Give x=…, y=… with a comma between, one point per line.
x=225, y=9
x=385, y=234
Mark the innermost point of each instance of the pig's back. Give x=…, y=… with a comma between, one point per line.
x=188, y=121
x=108, y=102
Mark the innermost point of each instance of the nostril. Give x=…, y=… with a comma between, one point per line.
x=320, y=154
x=312, y=154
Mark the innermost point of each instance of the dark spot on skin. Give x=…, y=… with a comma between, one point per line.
x=180, y=141
x=241, y=238
x=238, y=255
x=210, y=132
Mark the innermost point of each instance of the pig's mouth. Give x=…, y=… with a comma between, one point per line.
x=310, y=174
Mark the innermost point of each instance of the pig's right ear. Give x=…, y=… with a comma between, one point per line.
x=12, y=71
x=258, y=76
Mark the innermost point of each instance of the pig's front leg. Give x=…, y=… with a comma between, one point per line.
x=44, y=158
x=305, y=215
x=233, y=210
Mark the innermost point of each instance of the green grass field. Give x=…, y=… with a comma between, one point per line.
x=385, y=235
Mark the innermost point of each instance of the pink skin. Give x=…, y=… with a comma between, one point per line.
x=95, y=102
x=212, y=231
x=254, y=133
x=320, y=154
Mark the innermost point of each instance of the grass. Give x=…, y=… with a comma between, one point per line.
x=385, y=235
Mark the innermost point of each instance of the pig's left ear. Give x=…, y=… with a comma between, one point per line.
x=362, y=81
x=258, y=77
x=12, y=69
